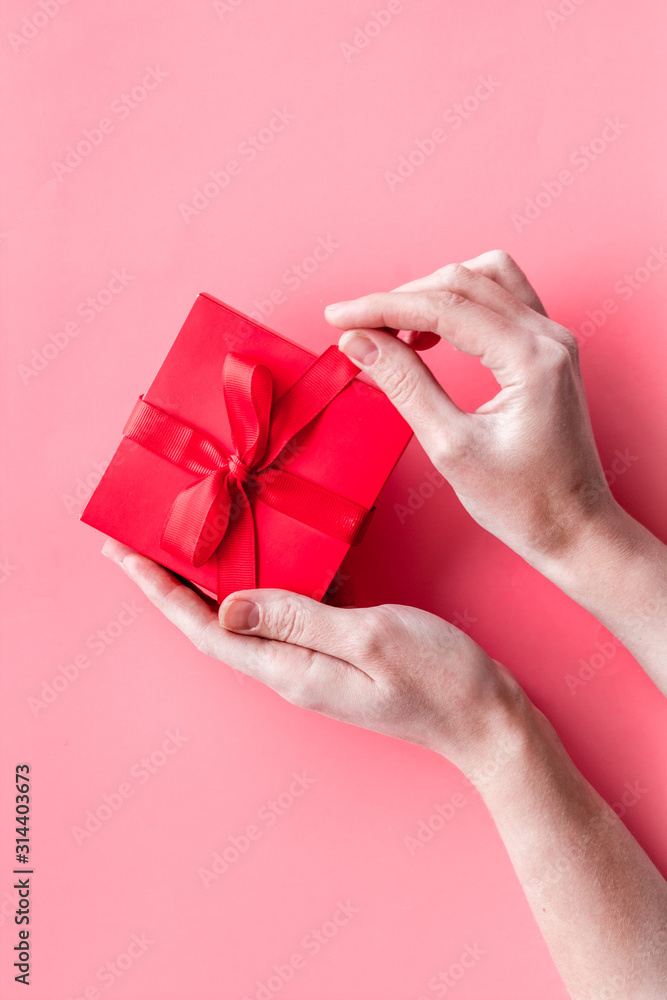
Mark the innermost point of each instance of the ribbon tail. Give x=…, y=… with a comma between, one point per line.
x=198, y=519
x=237, y=557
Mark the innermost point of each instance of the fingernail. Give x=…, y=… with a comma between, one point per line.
x=334, y=305
x=116, y=552
x=359, y=348
x=240, y=616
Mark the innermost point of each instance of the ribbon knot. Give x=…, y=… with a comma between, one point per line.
x=215, y=513
x=238, y=471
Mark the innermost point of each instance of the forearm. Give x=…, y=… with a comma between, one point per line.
x=599, y=901
x=617, y=570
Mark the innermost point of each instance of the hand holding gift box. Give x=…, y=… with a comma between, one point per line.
x=249, y=461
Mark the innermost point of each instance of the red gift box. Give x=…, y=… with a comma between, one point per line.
x=249, y=462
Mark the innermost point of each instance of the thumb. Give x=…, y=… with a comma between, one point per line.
x=295, y=619
x=408, y=383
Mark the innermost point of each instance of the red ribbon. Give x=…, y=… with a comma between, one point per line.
x=216, y=511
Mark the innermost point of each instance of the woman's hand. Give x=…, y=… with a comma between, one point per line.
x=392, y=669
x=525, y=464
x=597, y=898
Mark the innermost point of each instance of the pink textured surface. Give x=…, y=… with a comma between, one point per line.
x=324, y=175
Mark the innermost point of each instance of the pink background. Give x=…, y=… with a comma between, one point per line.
x=222, y=72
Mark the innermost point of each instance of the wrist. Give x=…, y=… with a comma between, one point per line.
x=523, y=756
x=497, y=734
x=582, y=532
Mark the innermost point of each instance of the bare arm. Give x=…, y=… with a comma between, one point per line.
x=617, y=570
x=597, y=898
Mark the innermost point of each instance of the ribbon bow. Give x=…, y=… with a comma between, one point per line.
x=216, y=512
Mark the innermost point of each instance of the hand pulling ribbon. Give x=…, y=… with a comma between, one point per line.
x=215, y=512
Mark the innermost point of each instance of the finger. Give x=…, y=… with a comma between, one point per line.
x=297, y=620
x=310, y=680
x=401, y=374
x=189, y=612
x=210, y=601
x=179, y=603
x=479, y=287
x=503, y=269
x=501, y=345
x=499, y=267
